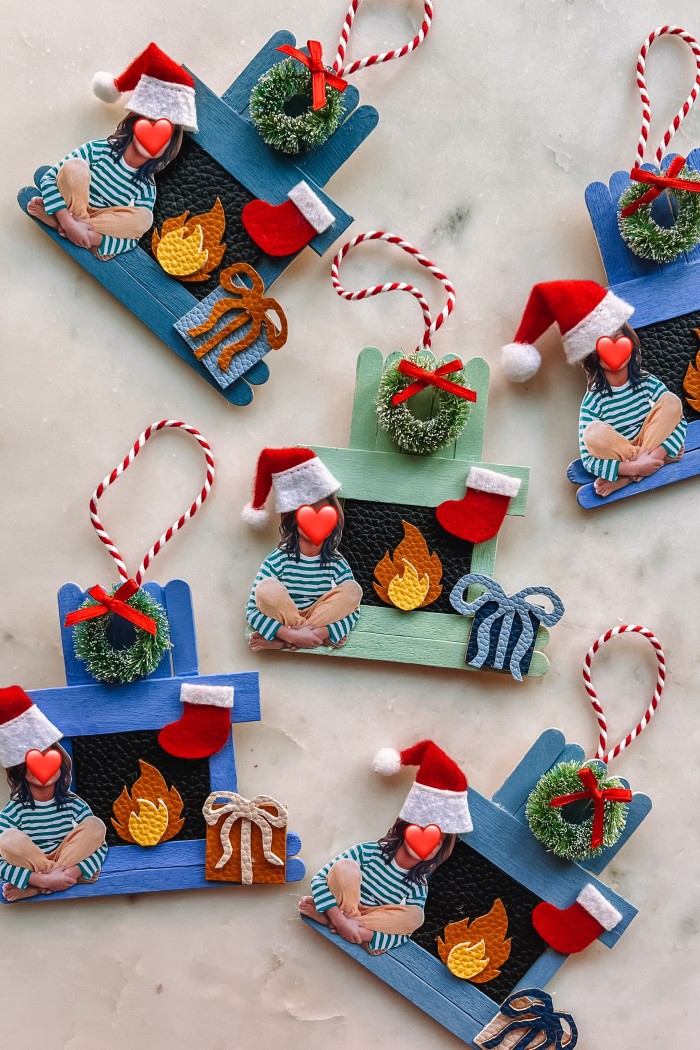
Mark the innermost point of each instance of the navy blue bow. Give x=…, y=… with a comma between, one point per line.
x=535, y=1019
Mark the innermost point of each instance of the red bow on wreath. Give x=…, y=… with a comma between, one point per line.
x=424, y=378
x=658, y=184
x=114, y=603
x=598, y=796
x=321, y=77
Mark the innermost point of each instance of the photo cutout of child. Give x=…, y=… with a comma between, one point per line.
x=49, y=838
x=304, y=595
x=101, y=196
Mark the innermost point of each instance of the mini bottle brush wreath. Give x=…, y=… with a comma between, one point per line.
x=94, y=621
x=640, y=231
x=589, y=782
x=415, y=372
x=305, y=81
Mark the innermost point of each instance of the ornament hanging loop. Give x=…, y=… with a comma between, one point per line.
x=644, y=95
x=430, y=326
x=593, y=696
x=176, y=525
x=372, y=60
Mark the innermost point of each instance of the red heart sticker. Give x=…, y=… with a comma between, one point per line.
x=42, y=766
x=422, y=840
x=317, y=524
x=153, y=135
x=614, y=352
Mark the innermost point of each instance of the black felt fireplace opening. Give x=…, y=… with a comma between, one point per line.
x=668, y=347
x=466, y=886
x=108, y=762
x=372, y=529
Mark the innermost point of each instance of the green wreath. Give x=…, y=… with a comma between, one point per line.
x=291, y=134
x=107, y=664
x=646, y=237
x=420, y=435
x=560, y=836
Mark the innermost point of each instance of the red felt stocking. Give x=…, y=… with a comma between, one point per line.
x=282, y=229
x=574, y=928
x=478, y=516
x=205, y=724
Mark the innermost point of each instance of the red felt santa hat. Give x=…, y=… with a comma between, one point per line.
x=296, y=475
x=162, y=89
x=22, y=727
x=583, y=310
x=439, y=793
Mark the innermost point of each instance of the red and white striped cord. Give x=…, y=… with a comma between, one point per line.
x=644, y=95
x=398, y=286
x=373, y=60
x=182, y=520
x=600, y=714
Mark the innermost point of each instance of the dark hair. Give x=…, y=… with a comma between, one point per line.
x=19, y=788
x=122, y=136
x=390, y=843
x=289, y=533
x=597, y=380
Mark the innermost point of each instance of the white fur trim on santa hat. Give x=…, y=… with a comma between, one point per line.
x=311, y=206
x=159, y=100
x=429, y=805
x=104, y=87
x=386, y=761
x=520, y=361
x=490, y=481
x=29, y=730
x=256, y=517
x=609, y=315
x=592, y=901
x=208, y=695
x=306, y=483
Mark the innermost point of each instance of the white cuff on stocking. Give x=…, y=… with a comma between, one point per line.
x=207, y=695
x=489, y=481
x=592, y=901
x=311, y=207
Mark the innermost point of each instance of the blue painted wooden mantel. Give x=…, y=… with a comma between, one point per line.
x=658, y=292
x=227, y=134
x=85, y=708
x=502, y=835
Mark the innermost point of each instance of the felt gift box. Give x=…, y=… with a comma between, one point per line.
x=503, y=636
x=246, y=839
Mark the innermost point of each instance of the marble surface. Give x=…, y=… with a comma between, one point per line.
x=489, y=135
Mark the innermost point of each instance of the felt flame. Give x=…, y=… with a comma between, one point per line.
x=410, y=578
x=211, y=225
x=476, y=951
x=691, y=383
x=151, y=812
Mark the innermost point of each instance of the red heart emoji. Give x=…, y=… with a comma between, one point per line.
x=41, y=766
x=422, y=840
x=614, y=353
x=317, y=524
x=153, y=135
x=279, y=229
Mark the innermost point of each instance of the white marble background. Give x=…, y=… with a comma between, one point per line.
x=489, y=135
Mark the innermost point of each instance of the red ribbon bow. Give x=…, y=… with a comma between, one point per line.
x=114, y=603
x=658, y=184
x=598, y=797
x=321, y=77
x=424, y=378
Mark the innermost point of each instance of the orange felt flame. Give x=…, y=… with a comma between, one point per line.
x=213, y=226
x=477, y=950
x=151, y=812
x=691, y=383
x=410, y=578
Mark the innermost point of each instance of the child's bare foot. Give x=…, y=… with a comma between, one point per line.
x=77, y=231
x=82, y=881
x=605, y=488
x=257, y=642
x=305, y=637
x=374, y=951
x=340, y=643
x=11, y=893
x=308, y=908
x=37, y=210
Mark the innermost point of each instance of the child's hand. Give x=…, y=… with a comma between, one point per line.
x=349, y=929
x=77, y=232
x=302, y=637
x=58, y=879
x=643, y=466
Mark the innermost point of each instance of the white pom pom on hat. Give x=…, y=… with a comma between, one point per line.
x=520, y=361
x=104, y=86
x=255, y=517
x=386, y=761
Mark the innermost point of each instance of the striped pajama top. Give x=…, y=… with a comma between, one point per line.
x=306, y=580
x=383, y=882
x=47, y=826
x=112, y=184
x=625, y=409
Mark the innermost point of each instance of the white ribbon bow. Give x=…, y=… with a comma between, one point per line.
x=249, y=812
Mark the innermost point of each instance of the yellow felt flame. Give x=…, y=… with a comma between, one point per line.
x=181, y=255
x=409, y=590
x=148, y=826
x=467, y=960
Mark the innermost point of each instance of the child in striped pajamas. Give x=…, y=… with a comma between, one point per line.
x=630, y=425
x=101, y=196
x=49, y=838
